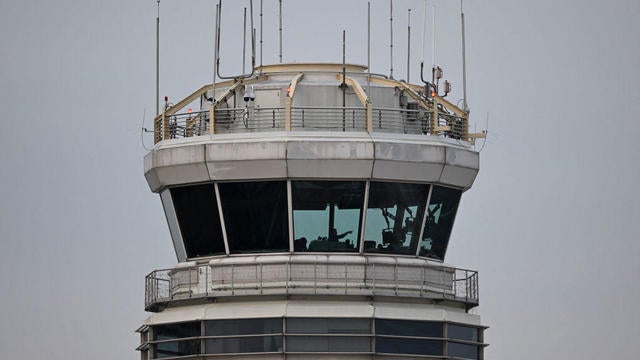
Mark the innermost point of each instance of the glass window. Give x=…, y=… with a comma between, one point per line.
x=247, y=344
x=408, y=346
x=255, y=216
x=197, y=213
x=327, y=215
x=177, y=331
x=462, y=350
x=394, y=215
x=243, y=327
x=328, y=343
x=328, y=326
x=442, y=211
x=409, y=328
x=177, y=348
x=460, y=332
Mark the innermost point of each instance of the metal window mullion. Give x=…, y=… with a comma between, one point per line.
x=221, y=215
x=290, y=214
x=424, y=220
x=365, y=204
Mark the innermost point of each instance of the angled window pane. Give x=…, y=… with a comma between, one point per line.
x=250, y=344
x=327, y=215
x=243, y=327
x=255, y=216
x=460, y=332
x=176, y=331
x=394, y=215
x=328, y=343
x=408, y=346
x=197, y=213
x=328, y=326
x=437, y=229
x=177, y=348
x=409, y=328
x=466, y=351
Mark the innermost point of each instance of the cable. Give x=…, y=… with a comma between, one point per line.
x=143, y=130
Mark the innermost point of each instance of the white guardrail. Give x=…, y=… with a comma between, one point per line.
x=311, y=274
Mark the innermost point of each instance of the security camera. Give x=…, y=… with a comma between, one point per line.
x=247, y=97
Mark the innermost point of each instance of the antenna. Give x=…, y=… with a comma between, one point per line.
x=391, y=39
x=408, y=45
x=464, y=63
x=261, y=36
x=433, y=35
x=424, y=36
x=280, y=29
x=215, y=54
x=244, y=39
x=217, y=51
x=369, y=48
x=158, y=61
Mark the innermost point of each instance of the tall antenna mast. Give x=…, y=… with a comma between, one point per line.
x=280, y=29
x=409, y=46
x=433, y=35
x=369, y=49
x=158, y=61
x=216, y=36
x=244, y=39
x=260, y=35
x=464, y=63
x=391, y=39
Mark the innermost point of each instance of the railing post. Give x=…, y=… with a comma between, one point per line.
x=287, y=113
x=165, y=126
x=211, y=120
x=369, y=117
x=434, y=117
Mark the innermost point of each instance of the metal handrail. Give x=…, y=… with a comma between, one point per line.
x=310, y=118
x=303, y=277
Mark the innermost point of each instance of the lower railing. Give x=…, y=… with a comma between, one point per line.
x=312, y=275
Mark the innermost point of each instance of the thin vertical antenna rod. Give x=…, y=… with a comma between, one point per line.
x=215, y=54
x=409, y=46
x=260, y=35
x=344, y=79
x=391, y=39
x=464, y=63
x=158, y=61
x=433, y=35
x=280, y=30
x=369, y=49
x=244, y=39
x=424, y=31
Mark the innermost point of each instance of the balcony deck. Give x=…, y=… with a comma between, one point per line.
x=317, y=274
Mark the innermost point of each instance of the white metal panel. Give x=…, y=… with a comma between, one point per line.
x=322, y=309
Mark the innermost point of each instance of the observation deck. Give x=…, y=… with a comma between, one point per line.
x=311, y=180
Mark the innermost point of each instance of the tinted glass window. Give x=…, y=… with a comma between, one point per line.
x=442, y=211
x=394, y=215
x=177, y=348
x=328, y=326
x=409, y=328
x=176, y=331
x=408, y=346
x=460, y=332
x=327, y=215
x=462, y=350
x=197, y=213
x=328, y=344
x=249, y=344
x=243, y=327
x=255, y=216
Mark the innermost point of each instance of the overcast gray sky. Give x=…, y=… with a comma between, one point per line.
x=550, y=224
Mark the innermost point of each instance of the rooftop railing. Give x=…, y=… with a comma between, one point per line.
x=242, y=120
x=370, y=276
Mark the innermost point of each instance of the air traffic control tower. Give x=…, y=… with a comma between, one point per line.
x=310, y=207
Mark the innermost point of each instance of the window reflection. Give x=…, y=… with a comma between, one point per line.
x=197, y=212
x=442, y=211
x=327, y=215
x=255, y=216
x=394, y=215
